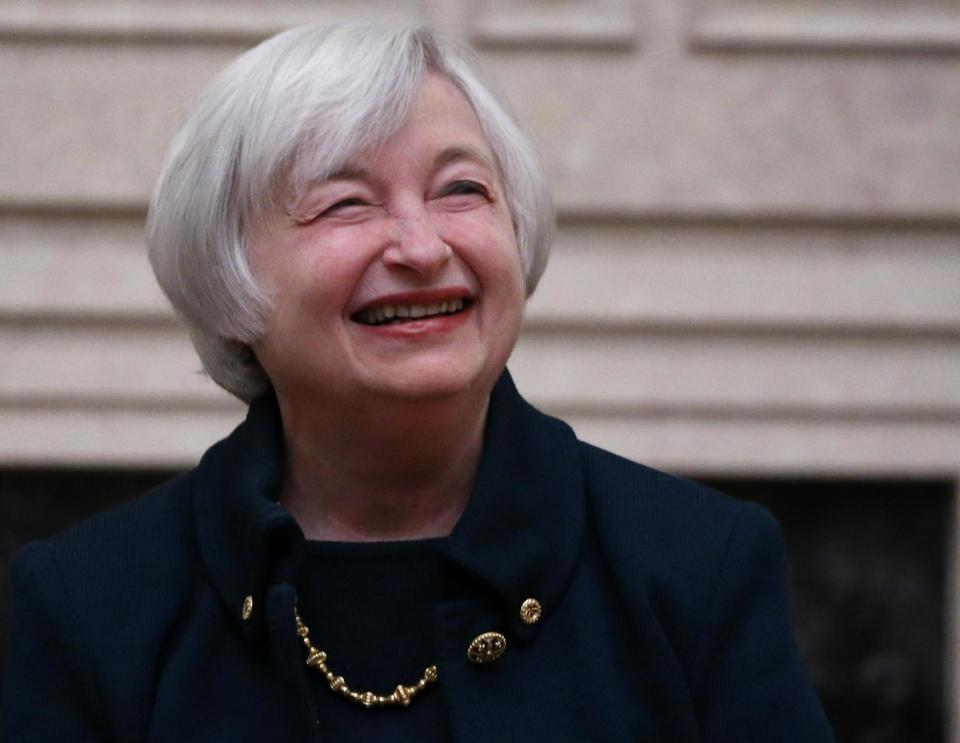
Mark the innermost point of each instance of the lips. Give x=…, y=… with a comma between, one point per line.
x=390, y=313
x=407, y=307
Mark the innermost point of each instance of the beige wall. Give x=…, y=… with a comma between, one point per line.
x=758, y=261
x=757, y=269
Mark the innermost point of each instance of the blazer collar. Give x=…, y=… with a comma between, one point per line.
x=523, y=526
x=520, y=533
x=248, y=541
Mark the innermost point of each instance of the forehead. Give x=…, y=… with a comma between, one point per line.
x=357, y=169
x=439, y=99
x=441, y=123
x=438, y=128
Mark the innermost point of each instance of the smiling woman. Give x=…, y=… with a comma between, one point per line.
x=414, y=223
x=350, y=223
x=287, y=134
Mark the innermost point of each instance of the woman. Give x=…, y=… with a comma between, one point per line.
x=393, y=545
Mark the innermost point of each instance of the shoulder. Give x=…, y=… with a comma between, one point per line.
x=90, y=609
x=102, y=564
x=663, y=508
x=675, y=546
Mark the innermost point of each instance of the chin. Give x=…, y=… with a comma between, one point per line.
x=422, y=389
x=431, y=381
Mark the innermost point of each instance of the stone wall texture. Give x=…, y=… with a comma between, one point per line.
x=757, y=268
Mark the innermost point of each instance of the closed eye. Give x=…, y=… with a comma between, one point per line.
x=346, y=209
x=343, y=204
x=464, y=188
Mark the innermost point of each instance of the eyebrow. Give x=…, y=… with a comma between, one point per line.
x=447, y=156
x=346, y=173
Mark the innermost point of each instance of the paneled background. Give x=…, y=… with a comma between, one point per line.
x=757, y=269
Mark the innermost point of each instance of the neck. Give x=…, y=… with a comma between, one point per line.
x=387, y=470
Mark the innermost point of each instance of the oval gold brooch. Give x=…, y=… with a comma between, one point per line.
x=486, y=647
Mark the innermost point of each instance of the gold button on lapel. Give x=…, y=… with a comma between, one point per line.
x=486, y=647
x=530, y=611
x=247, y=611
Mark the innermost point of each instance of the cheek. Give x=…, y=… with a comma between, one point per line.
x=345, y=253
x=321, y=273
x=487, y=242
x=509, y=269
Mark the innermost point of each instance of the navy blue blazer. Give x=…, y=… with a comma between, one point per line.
x=664, y=607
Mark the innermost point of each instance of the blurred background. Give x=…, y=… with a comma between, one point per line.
x=755, y=283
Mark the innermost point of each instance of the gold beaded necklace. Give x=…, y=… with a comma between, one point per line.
x=401, y=696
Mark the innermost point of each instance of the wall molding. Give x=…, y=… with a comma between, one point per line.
x=758, y=27
x=571, y=213
x=155, y=22
x=596, y=24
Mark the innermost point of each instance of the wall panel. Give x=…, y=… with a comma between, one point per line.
x=787, y=446
x=609, y=24
x=195, y=21
x=869, y=26
x=886, y=277
x=673, y=370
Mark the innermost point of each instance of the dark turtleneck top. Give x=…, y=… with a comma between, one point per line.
x=370, y=607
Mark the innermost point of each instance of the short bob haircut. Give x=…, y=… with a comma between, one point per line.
x=286, y=113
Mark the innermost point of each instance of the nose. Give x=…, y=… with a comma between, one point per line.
x=416, y=245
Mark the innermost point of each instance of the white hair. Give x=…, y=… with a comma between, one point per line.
x=292, y=110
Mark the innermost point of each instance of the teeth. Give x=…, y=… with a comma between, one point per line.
x=379, y=315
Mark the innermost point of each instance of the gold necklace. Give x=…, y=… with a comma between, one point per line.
x=401, y=695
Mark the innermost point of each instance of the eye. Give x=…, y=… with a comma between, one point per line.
x=464, y=188
x=342, y=205
x=349, y=208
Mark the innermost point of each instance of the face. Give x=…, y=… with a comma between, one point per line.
x=399, y=276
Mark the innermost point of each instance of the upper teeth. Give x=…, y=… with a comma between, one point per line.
x=389, y=311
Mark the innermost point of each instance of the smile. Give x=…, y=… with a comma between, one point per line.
x=398, y=313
